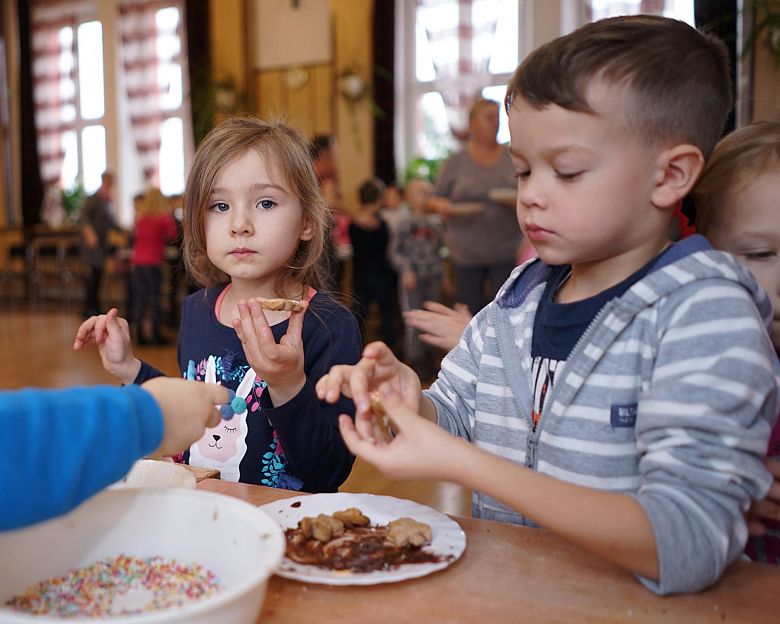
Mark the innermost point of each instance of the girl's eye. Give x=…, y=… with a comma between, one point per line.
x=266, y=204
x=231, y=429
x=220, y=207
x=522, y=175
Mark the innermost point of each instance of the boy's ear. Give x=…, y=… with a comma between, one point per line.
x=307, y=231
x=678, y=169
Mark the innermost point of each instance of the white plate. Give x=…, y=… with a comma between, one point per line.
x=506, y=196
x=448, y=537
x=465, y=209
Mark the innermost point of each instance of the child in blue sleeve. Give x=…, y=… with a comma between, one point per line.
x=254, y=226
x=620, y=389
x=69, y=444
x=738, y=211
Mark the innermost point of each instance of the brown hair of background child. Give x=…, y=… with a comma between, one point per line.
x=685, y=102
x=153, y=202
x=741, y=157
x=287, y=155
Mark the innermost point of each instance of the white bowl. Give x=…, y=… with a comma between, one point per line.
x=156, y=473
x=226, y=535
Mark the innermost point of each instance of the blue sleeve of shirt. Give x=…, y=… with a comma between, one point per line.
x=69, y=444
x=307, y=427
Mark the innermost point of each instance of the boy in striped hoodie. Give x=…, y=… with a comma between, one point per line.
x=620, y=389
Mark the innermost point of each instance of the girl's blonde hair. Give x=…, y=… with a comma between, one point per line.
x=153, y=203
x=288, y=151
x=737, y=160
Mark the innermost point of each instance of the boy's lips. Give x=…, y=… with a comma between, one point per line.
x=536, y=233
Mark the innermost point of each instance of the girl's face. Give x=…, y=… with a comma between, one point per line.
x=750, y=230
x=254, y=222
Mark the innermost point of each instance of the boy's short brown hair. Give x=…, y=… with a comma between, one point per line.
x=679, y=76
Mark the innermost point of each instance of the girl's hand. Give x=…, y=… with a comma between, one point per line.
x=279, y=365
x=769, y=507
x=378, y=369
x=419, y=450
x=439, y=325
x=111, y=334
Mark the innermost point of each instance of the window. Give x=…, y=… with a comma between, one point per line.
x=141, y=106
x=677, y=9
x=453, y=51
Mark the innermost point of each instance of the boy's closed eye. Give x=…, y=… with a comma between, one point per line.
x=564, y=175
x=759, y=254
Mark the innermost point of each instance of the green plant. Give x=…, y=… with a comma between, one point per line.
x=72, y=200
x=767, y=23
x=422, y=168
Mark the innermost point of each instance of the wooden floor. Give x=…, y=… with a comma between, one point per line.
x=36, y=349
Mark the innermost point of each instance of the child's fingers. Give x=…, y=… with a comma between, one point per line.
x=295, y=326
x=364, y=448
x=85, y=332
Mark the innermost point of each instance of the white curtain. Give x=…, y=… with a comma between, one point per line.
x=146, y=87
x=53, y=25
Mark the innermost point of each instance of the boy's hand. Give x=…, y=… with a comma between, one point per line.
x=188, y=408
x=419, y=450
x=769, y=507
x=111, y=334
x=378, y=369
x=279, y=365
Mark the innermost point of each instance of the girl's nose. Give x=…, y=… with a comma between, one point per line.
x=240, y=223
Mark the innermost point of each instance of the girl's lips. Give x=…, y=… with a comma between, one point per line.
x=242, y=253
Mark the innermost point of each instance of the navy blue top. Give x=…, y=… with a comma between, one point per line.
x=296, y=445
x=558, y=326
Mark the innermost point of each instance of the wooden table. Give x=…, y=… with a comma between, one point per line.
x=514, y=574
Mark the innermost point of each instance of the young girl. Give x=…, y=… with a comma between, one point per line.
x=737, y=210
x=254, y=226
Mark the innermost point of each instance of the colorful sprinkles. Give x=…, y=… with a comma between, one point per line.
x=119, y=585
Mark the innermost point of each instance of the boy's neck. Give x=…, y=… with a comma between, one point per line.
x=590, y=278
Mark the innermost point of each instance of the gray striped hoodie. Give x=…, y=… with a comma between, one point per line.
x=669, y=397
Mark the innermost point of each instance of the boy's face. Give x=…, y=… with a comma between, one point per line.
x=750, y=230
x=584, y=184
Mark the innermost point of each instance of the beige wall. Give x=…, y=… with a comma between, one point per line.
x=306, y=97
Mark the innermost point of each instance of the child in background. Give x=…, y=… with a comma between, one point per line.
x=373, y=279
x=324, y=153
x=155, y=228
x=72, y=443
x=620, y=389
x=415, y=253
x=394, y=209
x=254, y=226
x=737, y=210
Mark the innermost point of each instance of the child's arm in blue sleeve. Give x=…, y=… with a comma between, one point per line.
x=63, y=446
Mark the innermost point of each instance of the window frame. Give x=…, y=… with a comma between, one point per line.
x=409, y=90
